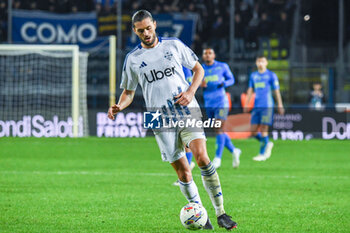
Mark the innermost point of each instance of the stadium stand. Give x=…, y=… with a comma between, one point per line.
x=258, y=23
x=261, y=26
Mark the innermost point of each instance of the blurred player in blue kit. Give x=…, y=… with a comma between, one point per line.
x=216, y=78
x=263, y=82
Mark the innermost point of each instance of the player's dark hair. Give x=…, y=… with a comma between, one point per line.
x=208, y=47
x=260, y=56
x=140, y=15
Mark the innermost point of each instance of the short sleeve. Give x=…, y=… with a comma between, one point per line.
x=187, y=56
x=129, y=78
x=274, y=82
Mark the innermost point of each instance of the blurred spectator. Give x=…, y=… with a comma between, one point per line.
x=32, y=5
x=239, y=36
x=219, y=36
x=289, y=6
x=253, y=24
x=16, y=4
x=282, y=27
x=61, y=6
x=317, y=97
x=264, y=31
x=82, y=6
x=283, y=30
x=158, y=9
x=245, y=11
x=191, y=7
x=105, y=6
x=265, y=26
x=135, y=6
x=275, y=6
x=249, y=2
x=3, y=10
x=50, y=4
x=197, y=45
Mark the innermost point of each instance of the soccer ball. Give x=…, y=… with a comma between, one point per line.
x=193, y=216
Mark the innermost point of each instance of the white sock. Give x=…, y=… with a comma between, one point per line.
x=190, y=191
x=211, y=183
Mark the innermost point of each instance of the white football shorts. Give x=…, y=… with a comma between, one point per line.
x=171, y=143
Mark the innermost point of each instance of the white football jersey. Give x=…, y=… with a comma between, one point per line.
x=159, y=72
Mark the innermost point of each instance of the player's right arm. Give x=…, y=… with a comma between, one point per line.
x=125, y=100
x=184, y=98
x=249, y=96
x=129, y=84
x=250, y=92
x=190, y=61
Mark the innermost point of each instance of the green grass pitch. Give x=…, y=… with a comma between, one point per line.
x=121, y=185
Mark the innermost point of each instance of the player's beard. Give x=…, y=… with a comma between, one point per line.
x=208, y=62
x=151, y=42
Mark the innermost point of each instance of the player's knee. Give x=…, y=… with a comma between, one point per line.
x=185, y=176
x=202, y=158
x=200, y=152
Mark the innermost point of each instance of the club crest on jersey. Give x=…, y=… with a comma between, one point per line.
x=168, y=55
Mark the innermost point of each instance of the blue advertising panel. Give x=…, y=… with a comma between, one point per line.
x=37, y=27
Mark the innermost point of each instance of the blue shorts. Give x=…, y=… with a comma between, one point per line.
x=217, y=113
x=262, y=116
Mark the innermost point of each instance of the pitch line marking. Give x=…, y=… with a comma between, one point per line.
x=156, y=174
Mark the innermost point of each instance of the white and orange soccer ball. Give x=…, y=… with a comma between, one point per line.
x=193, y=216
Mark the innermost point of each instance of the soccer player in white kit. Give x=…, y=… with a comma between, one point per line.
x=156, y=64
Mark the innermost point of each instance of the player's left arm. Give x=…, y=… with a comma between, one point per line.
x=229, y=78
x=186, y=97
x=276, y=90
